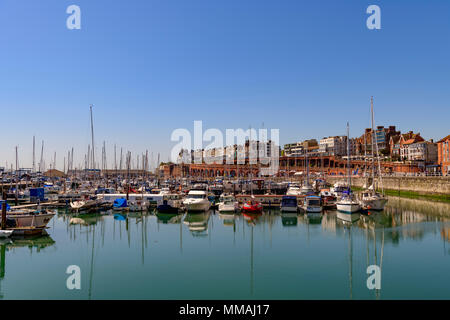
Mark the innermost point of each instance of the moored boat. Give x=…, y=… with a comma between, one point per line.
x=312, y=204
x=252, y=206
x=228, y=203
x=289, y=204
x=197, y=200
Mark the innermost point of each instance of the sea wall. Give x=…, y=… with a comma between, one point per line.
x=421, y=185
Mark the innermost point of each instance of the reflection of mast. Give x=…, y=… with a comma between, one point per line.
x=2, y=264
x=128, y=231
x=251, y=263
x=142, y=238
x=375, y=254
x=377, y=291
x=350, y=261
x=181, y=237
x=92, y=264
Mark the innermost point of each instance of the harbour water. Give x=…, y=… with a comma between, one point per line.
x=211, y=256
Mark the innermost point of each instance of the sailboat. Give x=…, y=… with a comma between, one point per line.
x=370, y=199
x=251, y=206
x=307, y=189
x=347, y=203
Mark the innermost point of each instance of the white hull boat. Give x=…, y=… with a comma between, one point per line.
x=197, y=200
x=348, y=206
x=228, y=204
x=373, y=201
x=5, y=233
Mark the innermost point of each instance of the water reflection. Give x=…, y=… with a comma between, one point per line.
x=250, y=242
x=197, y=223
x=34, y=244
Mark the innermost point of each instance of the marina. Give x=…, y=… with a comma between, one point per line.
x=213, y=256
x=215, y=158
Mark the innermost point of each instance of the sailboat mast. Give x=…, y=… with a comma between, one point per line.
x=378, y=154
x=348, y=157
x=34, y=155
x=373, y=138
x=92, y=136
x=41, y=163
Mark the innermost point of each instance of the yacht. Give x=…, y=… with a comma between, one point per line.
x=171, y=203
x=347, y=203
x=338, y=189
x=197, y=200
x=294, y=190
x=228, y=203
x=372, y=200
x=289, y=204
x=312, y=204
x=328, y=200
x=306, y=189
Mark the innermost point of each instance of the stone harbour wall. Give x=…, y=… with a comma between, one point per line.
x=422, y=185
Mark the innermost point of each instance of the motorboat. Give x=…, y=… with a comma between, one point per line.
x=294, y=190
x=228, y=203
x=87, y=204
x=197, y=200
x=28, y=218
x=6, y=233
x=328, y=199
x=306, y=189
x=171, y=203
x=348, y=204
x=338, y=189
x=369, y=199
x=312, y=204
x=289, y=204
x=252, y=206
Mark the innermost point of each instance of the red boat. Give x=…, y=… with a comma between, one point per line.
x=252, y=206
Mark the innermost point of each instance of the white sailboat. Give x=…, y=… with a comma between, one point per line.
x=347, y=203
x=370, y=199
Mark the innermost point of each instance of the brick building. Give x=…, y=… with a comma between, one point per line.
x=444, y=155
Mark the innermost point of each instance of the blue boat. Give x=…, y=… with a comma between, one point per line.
x=120, y=204
x=289, y=204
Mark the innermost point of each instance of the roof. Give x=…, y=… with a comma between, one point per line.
x=445, y=139
x=411, y=137
x=395, y=139
x=410, y=141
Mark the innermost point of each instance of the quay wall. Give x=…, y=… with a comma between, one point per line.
x=421, y=185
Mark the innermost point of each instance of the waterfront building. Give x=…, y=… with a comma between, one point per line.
x=382, y=138
x=443, y=147
x=299, y=148
x=337, y=146
x=407, y=139
x=394, y=147
x=423, y=153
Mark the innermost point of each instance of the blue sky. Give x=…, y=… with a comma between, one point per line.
x=149, y=67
